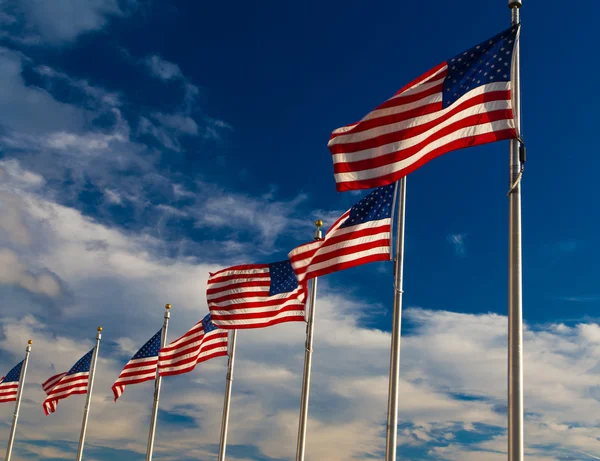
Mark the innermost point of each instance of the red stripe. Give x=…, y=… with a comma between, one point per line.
x=399, y=135
x=133, y=381
x=204, y=348
x=243, y=326
x=348, y=265
x=388, y=159
x=382, y=243
x=140, y=364
x=135, y=373
x=254, y=305
x=256, y=315
x=410, y=98
x=242, y=295
x=462, y=143
x=52, y=402
x=226, y=278
x=233, y=286
x=185, y=370
x=196, y=348
x=241, y=267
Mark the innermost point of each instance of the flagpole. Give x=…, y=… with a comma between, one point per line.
x=229, y=380
x=392, y=416
x=11, y=438
x=86, y=409
x=515, y=299
x=157, y=382
x=308, y=350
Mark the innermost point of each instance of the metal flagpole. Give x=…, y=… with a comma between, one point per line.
x=163, y=342
x=515, y=300
x=308, y=349
x=392, y=416
x=11, y=438
x=225, y=421
x=86, y=409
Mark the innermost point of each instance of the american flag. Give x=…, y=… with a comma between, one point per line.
x=255, y=296
x=74, y=381
x=141, y=367
x=203, y=342
x=361, y=235
x=9, y=384
x=462, y=102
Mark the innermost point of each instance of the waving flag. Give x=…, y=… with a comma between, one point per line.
x=141, y=367
x=203, y=342
x=255, y=296
x=360, y=236
x=75, y=381
x=462, y=102
x=9, y=384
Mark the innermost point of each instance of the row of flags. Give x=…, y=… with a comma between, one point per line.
x=462, y=102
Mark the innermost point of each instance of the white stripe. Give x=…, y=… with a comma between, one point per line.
x=258, y=310
x=260, y=299
x=145, y=359
x=237, y=290
x=420, y=87
x=214, y=285
x=56, y=396
x=227, y=273
x=301, y=264
x=397, y=166
x=348, y=258
x=481, y=108
x=198, y=345
x=193, y=364
x=151, y=374
x=413, y=122
x=262, y=320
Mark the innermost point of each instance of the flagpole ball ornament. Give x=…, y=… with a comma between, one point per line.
x=318, y=233
x=319, y=223
x=515, y=3
x=167, y=306
x=30, y=342
x=99, y=328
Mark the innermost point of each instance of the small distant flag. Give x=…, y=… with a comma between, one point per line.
x=75, y=381
x=141, y=367
x=463, y=102
x=360, y=236
x=203, y=342
x=9, y=384
x=255, y=296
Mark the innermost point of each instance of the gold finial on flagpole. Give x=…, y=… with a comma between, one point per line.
x=99, y=328
x=30, y=342
x=319, y=223
x=318, y=234
x=167, y=306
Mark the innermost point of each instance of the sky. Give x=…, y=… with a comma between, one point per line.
x=144, y=144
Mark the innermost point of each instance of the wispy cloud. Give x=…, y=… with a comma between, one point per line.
x=163, y=69
x=458, y=242
x=581, y=299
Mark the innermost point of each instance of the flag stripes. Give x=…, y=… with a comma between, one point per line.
x=9, y=384
x=203, y=342
x=460, y=103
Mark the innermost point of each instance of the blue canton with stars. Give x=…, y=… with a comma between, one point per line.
x=14, y=374
x=488, y=62
x=83, y=365
x=377, y=205
x=151, y=348
x=283, y=278
x=207, y=324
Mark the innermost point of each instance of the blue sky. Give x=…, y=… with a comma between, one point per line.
x=144, y=144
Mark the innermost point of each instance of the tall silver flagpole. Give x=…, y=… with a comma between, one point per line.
x=163, y=342
x=515, y=299
x=11, y=438
x=225, y=421
x=86, y=409
x=308, y=349
x=392, y=416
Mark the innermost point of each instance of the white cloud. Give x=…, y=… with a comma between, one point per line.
x=14, y=272
x=62, y=21
x=458, y=242
x=163, y=69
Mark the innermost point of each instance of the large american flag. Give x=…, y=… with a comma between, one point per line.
x=9, y=384
x=361, y=235
x=74, y=381
x=462, y=102
x=141, y=367
x=203, y=342
x=255, y=296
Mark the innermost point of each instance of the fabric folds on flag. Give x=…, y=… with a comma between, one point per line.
x=203, y=342
x=460, y=103
x=9, y=384
x=141, y=367
x=255, y=296
x=360, y=236
x=74, y=381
